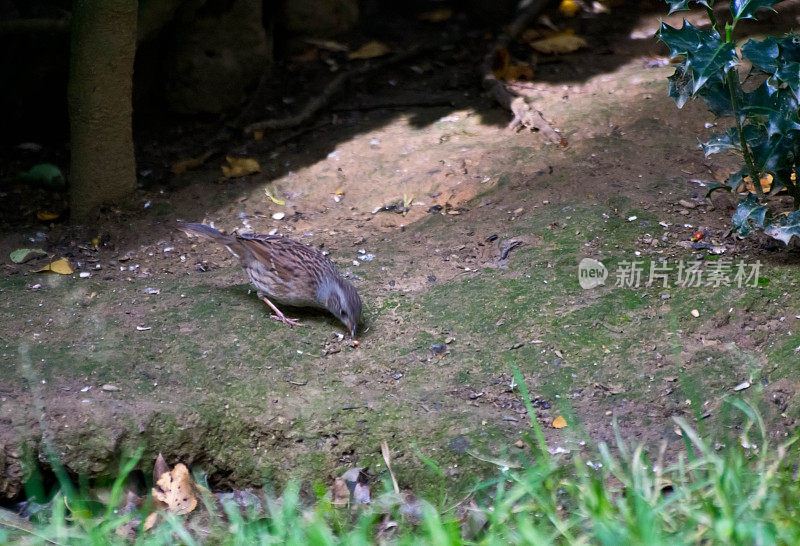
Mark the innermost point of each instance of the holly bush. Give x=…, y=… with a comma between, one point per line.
x=763, y=105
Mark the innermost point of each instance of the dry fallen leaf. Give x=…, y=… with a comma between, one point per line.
x=240, y=166
x=150, y=521
x=340, y=493
x=176, y=490
x=765, y=181
x=559, y=422
x=370, y=50
x=558, y=44
x=501, y=59
x=437, y=15
x=44, y=216
x=387, y=457
x=60, y=266
x=328, y=45
x=518, y=72
x=183, y=165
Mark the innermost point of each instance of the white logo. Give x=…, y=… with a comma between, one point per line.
x=591, y=273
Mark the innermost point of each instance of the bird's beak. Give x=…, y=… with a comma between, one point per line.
x=352, y=327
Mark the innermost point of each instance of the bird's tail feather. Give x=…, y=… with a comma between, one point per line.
x=205, y=232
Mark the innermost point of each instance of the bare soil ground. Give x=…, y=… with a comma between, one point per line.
x=200, y=373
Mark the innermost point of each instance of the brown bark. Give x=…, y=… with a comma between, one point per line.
x=103, y=44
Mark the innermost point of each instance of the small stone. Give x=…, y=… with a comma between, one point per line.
x=449, y=340
x=110, y=388
x=279, y=216
x=695, y=313
x=687, y=204
x=742, y=386
x=519, y=444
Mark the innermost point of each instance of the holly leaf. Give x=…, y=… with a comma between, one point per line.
x=682, y=5
x=708, y=60
x=787, y=226
x=717, y=96
x=714, y=187
x=746, y=9
x=677, y=5
x=687, y=39
x=735, y=180
x=750, y=213
x=788, y=73
x=680, y=86
x=763, y=54
x=721, y=143
x=776, y=111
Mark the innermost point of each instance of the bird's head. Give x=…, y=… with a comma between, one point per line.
x=343, y=301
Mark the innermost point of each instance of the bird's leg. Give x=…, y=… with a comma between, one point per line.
x=280, y=316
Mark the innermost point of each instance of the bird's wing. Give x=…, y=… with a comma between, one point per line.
x=291, y=261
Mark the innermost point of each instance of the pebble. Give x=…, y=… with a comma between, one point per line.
x=279, y=216
x=84, y=274
x=110, y=388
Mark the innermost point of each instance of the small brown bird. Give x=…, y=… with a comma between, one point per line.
x=289, y=273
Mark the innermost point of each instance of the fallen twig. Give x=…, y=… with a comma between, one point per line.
x=525, y=115
x=318, y=102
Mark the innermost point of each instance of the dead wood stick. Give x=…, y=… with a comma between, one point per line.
x=525, y=115
x=318, y=102
x=22, y=27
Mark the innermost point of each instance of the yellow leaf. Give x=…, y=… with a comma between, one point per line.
x=273, y=198
x=370, y=50
x=183, y=165
x=176, y=490
x=559, y=422
x=437, y=15
x=83, y=513
x=560, y=43
x=240, y=166
x=518, y=72
x=44, y=216
x=568, y=8
x=765, y=181
x=60, y=266
x=96, y=242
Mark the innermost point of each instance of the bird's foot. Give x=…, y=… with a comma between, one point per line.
x=287, y=320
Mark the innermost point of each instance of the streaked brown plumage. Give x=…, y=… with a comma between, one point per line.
x=289, y=273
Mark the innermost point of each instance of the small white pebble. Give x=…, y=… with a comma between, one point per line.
x=84, y=274
x=279, y=216
x=273, y=231
x=169, y=249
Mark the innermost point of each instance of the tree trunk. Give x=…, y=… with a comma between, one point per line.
x=103, y=45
